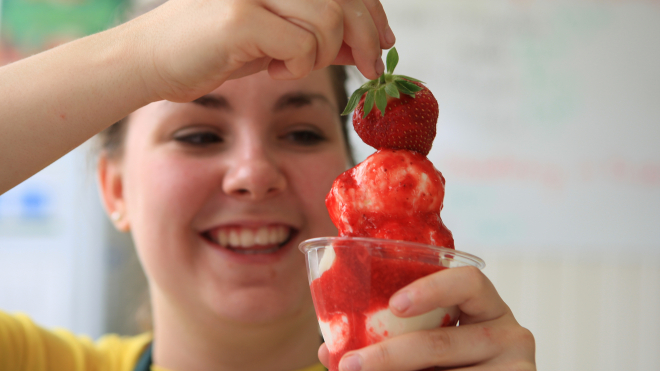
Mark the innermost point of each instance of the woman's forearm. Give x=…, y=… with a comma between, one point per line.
x=54, y=101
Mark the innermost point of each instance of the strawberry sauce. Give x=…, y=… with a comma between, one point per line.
x=360, y=283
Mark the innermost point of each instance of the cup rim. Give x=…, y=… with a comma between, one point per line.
x=472, y=259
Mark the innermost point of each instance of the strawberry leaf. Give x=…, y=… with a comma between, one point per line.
x=410, y=78
x=381, y=100
x=392, y=60
x=354, y=100
x=409, y=86
x=404, y=89
x=378, y=89
x=370, y=84
x=392, y=91
x=368, y=103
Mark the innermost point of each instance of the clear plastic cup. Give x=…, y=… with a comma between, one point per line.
x=353, y=278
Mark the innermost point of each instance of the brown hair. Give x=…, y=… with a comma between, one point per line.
x=111, y=140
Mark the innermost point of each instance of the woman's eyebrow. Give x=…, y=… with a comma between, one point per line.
x=213, y=101
x=300, y=99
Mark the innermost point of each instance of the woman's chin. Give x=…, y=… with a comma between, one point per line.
x=262, y=306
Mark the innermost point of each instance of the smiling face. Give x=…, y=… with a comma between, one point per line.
x=219, y=192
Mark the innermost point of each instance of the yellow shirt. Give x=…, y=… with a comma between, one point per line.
x=24, y=346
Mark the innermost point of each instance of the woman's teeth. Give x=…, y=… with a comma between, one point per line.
x=248, y=237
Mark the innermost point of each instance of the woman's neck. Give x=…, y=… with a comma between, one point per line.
x=199, y=342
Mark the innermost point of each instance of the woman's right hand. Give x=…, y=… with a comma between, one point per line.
x=187, y=48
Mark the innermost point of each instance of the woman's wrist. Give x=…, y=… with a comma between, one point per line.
x=125, y=55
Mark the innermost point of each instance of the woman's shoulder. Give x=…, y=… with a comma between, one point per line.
x=25, y=345
x=131, y=346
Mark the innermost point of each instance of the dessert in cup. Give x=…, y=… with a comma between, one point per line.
x=353, y=278
x=387, y=210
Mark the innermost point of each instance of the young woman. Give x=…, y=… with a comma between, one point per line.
x=219, y=189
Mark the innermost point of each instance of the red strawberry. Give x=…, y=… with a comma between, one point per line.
x=406, y=113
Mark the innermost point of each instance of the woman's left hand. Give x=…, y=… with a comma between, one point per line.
x=488, y=337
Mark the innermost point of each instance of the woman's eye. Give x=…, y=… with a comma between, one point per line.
x=305, y=137
x=199, y=139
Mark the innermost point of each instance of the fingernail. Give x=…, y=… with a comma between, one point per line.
x=380, y=67
x=389, y=35
x=401, y=301
x=351, y=363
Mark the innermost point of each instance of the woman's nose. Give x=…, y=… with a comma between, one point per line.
x=253, y=176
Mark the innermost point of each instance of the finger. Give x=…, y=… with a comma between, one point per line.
x=250, y=68
x=293, y=45
x=445, y=347
x=322, y=18
x=345, y=56
x=385, y=33
x=518, y=366
x=466, y=287
x=281, y=70
x=361, y=35
x=324, y=355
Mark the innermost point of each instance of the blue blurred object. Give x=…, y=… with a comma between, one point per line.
x=33, y=204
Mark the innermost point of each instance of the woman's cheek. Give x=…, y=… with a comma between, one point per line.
x=318, y=177
x=179, y=185
x=167, y=192
x=163, y=194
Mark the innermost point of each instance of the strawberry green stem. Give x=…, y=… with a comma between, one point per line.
x=386, y=84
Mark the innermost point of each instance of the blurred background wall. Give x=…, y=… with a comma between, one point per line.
x=549, y=137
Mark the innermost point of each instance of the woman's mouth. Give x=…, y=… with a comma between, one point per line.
x=251, y=240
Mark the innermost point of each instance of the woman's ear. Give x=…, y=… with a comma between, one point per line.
x=110, y=180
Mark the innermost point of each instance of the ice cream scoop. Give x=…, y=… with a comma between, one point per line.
x=393, y=194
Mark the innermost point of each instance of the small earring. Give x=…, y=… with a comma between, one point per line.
x=115, y=216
